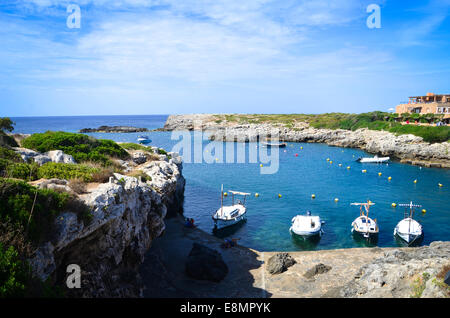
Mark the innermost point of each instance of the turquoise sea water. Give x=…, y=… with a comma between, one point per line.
x=269, y=217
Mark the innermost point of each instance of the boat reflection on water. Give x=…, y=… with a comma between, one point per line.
x=229, y=230
x=362, y=241
x=306, y=243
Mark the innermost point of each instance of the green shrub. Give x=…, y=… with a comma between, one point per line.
x=9, y=154
x=67, y=171
x=14, y=273
x=24, y=171
x=16, y=201
x=81, y=147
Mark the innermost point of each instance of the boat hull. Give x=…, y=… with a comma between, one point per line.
x=221, y=223
x=305, y=233
x=373, y=160
x=408, y=230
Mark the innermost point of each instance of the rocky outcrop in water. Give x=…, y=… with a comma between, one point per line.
x=113, y=129
x=127, y=215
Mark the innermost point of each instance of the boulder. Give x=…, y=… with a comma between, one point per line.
x=138, y=157
x=204, y=263
x=279, y=263
x=60, y=157
x=447, y=278
x=317, y=269
x=41, y=159
x=26, y=154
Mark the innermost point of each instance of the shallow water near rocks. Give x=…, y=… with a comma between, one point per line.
x=268, y=216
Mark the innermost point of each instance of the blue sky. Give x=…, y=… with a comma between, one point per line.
x=219, y=56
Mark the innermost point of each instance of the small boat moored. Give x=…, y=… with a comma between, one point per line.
x=144, y=140
x=409, y=229
x=229, y=215
x=273, y=144
x=363, y=225
x=375, y=159
x=306, y=225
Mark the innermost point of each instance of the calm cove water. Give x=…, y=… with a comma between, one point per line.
x=269, y=217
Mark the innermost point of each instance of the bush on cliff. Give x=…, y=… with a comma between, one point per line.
x=67, y=171
x=16, y=202
x=14, y=273
x=82, y=147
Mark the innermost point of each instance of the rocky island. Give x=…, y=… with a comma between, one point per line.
x=113, y=129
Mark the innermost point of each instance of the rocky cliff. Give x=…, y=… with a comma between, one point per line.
x=127, y=215
x=406, y=148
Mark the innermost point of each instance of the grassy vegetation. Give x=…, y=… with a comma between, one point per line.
x=66, y=171
x=419, y=285
x=82, y=147
x=373, y=120
x=134, y=146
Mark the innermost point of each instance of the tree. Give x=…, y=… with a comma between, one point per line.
x=6, y=124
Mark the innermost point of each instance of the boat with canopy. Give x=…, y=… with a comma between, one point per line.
x=232, y=214
x=363, y=225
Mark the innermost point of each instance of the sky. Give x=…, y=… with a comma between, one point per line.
x=219, y=56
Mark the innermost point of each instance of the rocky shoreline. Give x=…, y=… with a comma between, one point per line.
x=405, y=148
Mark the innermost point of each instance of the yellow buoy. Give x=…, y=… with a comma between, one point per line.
x=389, y=178
x=379, y=173
x=279, y=195
x=394, y=205
x=225, y=194
x=340, y=165
x=301, y=147
x=261, y=165
x=328, y=159
x=313, y=196
x=440, y=184
x=256, y=194
x=424, y=211
x=364, y=171
x=415, y=181
x=336, y=200
x=331, y=161
x=348, y=167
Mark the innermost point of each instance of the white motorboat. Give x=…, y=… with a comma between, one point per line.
x=375, y=159
x=273, y=144
x=306, y=225
x=409, y=229
x=229, y=215
x=144, y=139
x=363, y=225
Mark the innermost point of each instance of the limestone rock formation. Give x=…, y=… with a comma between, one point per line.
x=402, y=273
x=126, y=216
x=50, y=156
